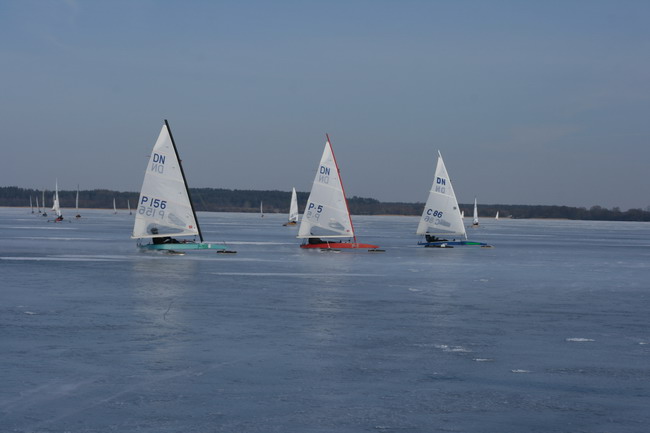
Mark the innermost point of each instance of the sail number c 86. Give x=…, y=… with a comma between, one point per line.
x=432, y=215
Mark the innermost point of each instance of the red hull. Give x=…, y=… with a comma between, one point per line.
x=339, y=245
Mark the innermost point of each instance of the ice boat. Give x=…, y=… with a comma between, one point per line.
x=441, y=223
x=293, y=209
x=326, y=222
x=165, y=206
x=475, y=218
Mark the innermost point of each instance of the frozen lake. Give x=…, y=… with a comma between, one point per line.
x=548, y=331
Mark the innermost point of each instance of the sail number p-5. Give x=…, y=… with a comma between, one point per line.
x=152, y=207
x=314, y=211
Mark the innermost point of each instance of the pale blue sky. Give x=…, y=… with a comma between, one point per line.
x=542, y=102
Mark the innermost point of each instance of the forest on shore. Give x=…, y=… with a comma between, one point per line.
x=228, y=200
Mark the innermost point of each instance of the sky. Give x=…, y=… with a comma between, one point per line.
x=529, y=102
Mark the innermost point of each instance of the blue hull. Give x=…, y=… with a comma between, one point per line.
x=451, y=244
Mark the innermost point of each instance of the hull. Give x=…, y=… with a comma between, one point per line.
x=451, y=244
x=338, y=246
x=183, y=246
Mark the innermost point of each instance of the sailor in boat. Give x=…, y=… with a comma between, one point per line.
x=431, y=238
x=59, y=218
x=162, y=239
x=314, y=241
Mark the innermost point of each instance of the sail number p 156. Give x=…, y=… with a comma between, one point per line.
x=152, y=207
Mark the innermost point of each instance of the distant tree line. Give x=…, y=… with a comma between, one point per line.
x=227, y=200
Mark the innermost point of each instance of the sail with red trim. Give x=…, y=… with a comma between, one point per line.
x=326, y=213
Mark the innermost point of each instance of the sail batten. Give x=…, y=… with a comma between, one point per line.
x=441, y=215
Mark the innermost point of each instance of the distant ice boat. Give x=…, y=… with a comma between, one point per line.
x=43, y=202
x=475, y=219
x=56, y=207
x=327, y=215
x=76, y=204
x=293, y=209
x=441, y=222
x=165, y=206
x=496, y=217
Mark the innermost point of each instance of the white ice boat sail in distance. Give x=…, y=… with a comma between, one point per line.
x=475, y=218
x=293, y=209
x=56, y=207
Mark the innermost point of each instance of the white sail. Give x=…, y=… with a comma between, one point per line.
x=114, y=207
x=164, y=207
x=497, y=216
x=475, y=220
x=293, y=208
x=128, y=204
x=38, y=207
x=55, y=200
x=326, y=213
x=76, y=201
x=31, y=205
x=441, y=215
x=261, y=209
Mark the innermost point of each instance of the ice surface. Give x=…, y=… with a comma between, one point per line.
x=97, y=336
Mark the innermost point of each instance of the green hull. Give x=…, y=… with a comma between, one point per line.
x=183, y=246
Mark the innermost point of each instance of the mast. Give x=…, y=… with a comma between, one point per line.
x=345, y=197
x=180, y=165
